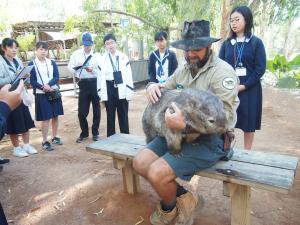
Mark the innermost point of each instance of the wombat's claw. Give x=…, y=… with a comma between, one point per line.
x=177, y=155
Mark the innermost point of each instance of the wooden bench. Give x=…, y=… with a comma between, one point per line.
x=245, y=170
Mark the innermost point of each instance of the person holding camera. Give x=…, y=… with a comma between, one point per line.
x=19, y=121
x=115, y=85
x=84, y=64
x=48, y=105
x=9, y=100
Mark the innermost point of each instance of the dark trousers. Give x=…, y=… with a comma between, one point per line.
x=87, y=94
x=2, y=216
x=112, y=104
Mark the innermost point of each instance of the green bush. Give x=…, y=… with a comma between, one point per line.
x=286, y=72
x=26, y=43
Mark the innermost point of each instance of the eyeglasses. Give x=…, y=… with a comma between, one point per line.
x=234, y=20
x=108, y=43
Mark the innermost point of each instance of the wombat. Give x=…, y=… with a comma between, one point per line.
x=203, y=111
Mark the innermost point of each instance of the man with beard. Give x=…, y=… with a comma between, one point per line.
x=203, y=71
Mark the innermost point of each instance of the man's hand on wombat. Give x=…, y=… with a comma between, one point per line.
x=154, y=92
x=174, y=118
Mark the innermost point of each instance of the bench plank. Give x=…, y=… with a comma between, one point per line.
x=120, y=150
x=258, y=176
x=255, y=157
x=267, y=171
x=265, y=158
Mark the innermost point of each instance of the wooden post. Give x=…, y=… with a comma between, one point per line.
x=36, y=32
x=228, y=189
x=240, y=205
x=131, y=181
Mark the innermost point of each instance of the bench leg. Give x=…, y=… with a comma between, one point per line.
x=131, y=181
x=240, y=205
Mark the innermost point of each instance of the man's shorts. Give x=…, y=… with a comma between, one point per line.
x=202, y=154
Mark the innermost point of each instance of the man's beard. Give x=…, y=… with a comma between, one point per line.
x=195, y=67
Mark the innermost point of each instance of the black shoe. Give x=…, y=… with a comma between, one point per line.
x=47, y=146
x=81, y=139
x=57, y=141
x=3, y=160
x=96, y=138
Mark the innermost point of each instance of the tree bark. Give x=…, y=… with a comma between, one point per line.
x=286, y=38
x=226, y=8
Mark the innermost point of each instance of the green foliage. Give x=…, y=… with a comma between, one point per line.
x=26, y=43
x=295, y=62
x=279, y=63
x=89, y=22
x=71, y=24
x=287, y=82
x=98, y=43
x=287, y=72
x=284, y=10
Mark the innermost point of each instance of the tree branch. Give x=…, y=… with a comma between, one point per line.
x=138, y=18
x=134, y=16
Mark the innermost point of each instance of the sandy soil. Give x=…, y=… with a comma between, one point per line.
x=70, y=186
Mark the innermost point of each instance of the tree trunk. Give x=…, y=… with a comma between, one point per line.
x=286, y=38
x=226, y=9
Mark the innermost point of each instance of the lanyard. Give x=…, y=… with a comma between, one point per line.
x=238, y=59
x=115, y=68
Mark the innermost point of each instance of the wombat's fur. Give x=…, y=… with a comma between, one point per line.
x=203, y=112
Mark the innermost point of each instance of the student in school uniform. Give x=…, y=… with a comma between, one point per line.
x=163, y=61
x=115, y=85
x=44, y=80
x=84, y=64
x=246, y=54
x=19, y=122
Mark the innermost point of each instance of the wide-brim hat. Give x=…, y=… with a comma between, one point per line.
x=194, y=36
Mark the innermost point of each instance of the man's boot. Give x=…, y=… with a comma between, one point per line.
x=160, y=217
x=186, y=204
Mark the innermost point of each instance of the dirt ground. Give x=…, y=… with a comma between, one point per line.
x=70, y=186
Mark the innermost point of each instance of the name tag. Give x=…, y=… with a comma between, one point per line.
x=240, y=71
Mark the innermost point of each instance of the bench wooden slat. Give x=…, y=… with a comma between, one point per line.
x=121, y=150
x=265, y=158
x=128, y=138
x=257, y=176
x=138, y=142
x=256, y=169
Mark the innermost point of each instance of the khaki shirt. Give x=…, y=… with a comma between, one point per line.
x=217, y=76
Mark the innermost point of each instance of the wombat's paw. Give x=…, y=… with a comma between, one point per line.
x=174, y=150
x=190, y=138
